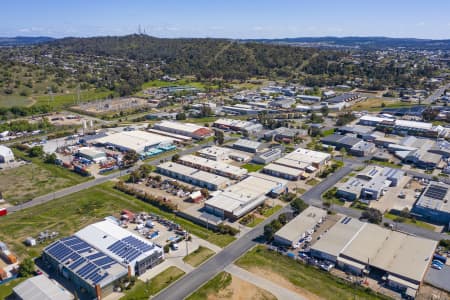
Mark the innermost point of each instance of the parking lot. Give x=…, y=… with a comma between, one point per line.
x=399, y=197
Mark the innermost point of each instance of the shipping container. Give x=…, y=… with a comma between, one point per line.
x=3, y=211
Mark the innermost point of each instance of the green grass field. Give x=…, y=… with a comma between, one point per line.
x=268, y=212
x=312, y=182
x=14, y=100
x=69, y=214
x=6, y=289
x=252, y=167
x=212, y=287
x=143, y=290
x=197, y=257
x=409, y=221
x=26, y=182
x=255, y=222
x=69, y=99
x=318, y=282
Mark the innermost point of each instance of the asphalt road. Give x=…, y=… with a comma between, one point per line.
x=436, y=94
x=191, y=282
x=94, y=182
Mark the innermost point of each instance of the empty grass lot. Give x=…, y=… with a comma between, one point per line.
x=6, y=289
x=252, y=167
x=197, y=257
x=71, y=213
x=26, y=182
x=318, y=282
x=225, y=286
x=68, y=99
x=143, y=290
x=212, y=287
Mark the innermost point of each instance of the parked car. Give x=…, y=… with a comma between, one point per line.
x=437, y=267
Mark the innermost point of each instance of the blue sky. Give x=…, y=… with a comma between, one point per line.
x=227, y=18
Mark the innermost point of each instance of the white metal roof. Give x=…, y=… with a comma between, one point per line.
x=41, y=288
x=305, y=221
x=136, y=140
x=209, y=164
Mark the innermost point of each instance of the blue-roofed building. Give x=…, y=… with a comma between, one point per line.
x=95, y=258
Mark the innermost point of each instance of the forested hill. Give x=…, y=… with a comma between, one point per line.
x=206, y=58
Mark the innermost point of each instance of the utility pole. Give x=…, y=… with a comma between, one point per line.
x=186, y=239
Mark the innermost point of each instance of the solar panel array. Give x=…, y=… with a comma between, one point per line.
x=75, y=253
x=345, y=220
x=436, y=192
x=130, y=248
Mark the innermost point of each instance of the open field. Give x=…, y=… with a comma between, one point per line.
x=6, y=289
x=26, y=182
x=224, y=286
x=143, y=290
x=304, y=279
x=198, y=256
x=14, y=100
x=70, y=98
x=252, y=167
x=374, y=104
x=69, y=214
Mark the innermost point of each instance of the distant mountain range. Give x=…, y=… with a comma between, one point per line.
x=24, y=40
x=361, y=42
x=321, y=42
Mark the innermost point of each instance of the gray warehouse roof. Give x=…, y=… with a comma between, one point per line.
x=41, y=288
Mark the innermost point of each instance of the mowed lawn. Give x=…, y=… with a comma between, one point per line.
x=198, y=256
x=252, y=167
x=318, y=282
x=26, y=182
x=6, y=288
x=143, y=290
x=68, y=214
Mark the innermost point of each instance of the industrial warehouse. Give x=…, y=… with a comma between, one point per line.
x=138, y=141
x=433, y=204
x=294, y=165
x=298, y=228
x=212, y=166
x=187, y=129
x=369, y=184
x=364, y=248
x=99, y=255
x=242, y=197
x=193, y=176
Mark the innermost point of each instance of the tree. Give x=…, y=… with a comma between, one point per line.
x=219, y=137
x=268, y=232
x=175, y=157
x=181, y=116
x=145, y=170
x=130, y=158
x=50, y=158
x=372, y=215
x=36, y=151
x=26, y=267
x=324, y=110
x=134, y=176
x=298, y=205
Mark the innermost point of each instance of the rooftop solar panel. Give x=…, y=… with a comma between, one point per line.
x=436, y=192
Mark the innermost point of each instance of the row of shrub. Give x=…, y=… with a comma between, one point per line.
x=156, y=201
